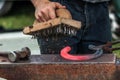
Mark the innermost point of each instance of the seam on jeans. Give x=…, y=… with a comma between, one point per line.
x=86, y=20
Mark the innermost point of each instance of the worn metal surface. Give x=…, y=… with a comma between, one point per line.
x=54, y=58
x=3, y=59
x=117, y=72
x=53, y=67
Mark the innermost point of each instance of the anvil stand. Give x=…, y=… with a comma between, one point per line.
x=54, y=67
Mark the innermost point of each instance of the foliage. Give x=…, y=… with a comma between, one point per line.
x=21, y=15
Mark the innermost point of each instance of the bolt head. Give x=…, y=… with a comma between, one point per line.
x=12, y=57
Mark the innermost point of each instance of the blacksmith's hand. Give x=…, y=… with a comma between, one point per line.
x=45, y=11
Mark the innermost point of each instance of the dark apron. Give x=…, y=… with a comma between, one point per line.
x=96, y=28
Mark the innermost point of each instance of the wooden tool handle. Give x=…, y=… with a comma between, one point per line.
x=63, y=13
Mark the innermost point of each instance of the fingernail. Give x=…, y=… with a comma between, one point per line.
x=52, y=17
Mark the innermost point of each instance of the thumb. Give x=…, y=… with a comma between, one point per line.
x=58, y=5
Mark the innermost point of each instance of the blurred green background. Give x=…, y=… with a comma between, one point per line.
x=20, y=15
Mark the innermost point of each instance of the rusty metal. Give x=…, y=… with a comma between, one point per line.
x=52, y=58
x=53, y=67
x=24, y=53
x=4, y=59
x=55, y=58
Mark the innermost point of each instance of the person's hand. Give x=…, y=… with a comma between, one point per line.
x=46, y=10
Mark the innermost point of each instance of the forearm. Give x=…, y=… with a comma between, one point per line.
x=38, y=2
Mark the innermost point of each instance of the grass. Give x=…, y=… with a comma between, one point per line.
x=118, y=51
x=20, y=15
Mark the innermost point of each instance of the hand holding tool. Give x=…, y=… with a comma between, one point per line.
x=63, y=24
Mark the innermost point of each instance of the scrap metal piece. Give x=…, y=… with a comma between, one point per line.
x=16, y=55
x=107, y=48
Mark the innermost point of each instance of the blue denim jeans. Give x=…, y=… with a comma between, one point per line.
x=96, y=28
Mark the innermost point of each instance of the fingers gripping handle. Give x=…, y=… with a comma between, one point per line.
x=63, y=13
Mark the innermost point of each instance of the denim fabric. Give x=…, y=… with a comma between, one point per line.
x=95, y=1
x=95, y=29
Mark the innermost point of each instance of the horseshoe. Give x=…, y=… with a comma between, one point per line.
x=65, y=54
